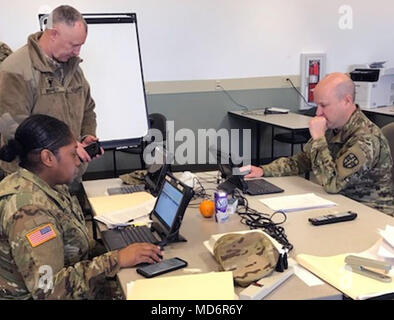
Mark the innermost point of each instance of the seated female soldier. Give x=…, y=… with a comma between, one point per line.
x=44, y=243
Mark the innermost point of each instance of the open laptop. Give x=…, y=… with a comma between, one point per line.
x=235, y=179
x=167, y=215
x=154, y=177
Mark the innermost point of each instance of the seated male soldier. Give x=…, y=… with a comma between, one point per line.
x=347, y=153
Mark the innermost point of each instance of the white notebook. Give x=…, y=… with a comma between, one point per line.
x=297, y=202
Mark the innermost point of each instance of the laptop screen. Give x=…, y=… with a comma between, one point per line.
x=158, y=158
x=223, y=160
x=171, y=204
x=157, y=169
x=168, y=203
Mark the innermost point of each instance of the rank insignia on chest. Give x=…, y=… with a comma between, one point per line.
x=350, y=161
x=41, y=234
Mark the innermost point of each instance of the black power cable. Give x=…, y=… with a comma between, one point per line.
x=231, y=98
x=250, y=217
x=300, y=94
x=258, y=220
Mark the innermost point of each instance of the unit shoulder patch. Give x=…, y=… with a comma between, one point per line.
x=350, y=161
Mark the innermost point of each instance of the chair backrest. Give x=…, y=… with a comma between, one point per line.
x=309, y=112
x=159, y=122
x=388, y=131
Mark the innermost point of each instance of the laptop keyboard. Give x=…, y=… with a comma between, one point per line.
x=261, y=186
x=138, y=234
x=126, y=189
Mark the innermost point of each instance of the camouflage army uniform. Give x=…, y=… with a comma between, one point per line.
x=355, y=162
x=31, y=82
x=5, y=51
x=28, y=205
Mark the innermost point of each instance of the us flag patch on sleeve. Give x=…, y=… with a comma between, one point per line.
x=40, y=235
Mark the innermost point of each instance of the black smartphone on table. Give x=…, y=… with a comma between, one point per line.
x=164, y=266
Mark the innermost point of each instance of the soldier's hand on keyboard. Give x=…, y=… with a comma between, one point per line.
x=137, y=253
x=254, y=172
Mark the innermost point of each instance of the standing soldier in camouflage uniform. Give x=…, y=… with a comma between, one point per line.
x=5, y=51
x=44, y=77
x=347, y=152
x=44, y=243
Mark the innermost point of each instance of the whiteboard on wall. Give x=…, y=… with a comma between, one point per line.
x=112, y=65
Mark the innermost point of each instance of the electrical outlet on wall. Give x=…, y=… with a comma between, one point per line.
x=218, y=85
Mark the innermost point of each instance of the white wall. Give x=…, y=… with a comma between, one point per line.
x=214, y=39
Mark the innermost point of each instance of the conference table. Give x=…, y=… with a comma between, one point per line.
x=346, y=237
x=385, y=111
x=290, y=121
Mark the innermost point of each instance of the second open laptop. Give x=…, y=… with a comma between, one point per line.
x=227, y=168
x=154, y=178
x=167, y=215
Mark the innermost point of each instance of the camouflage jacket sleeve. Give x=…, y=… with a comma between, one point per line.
x=297, y=164
x=355, y=157
x=16, y=97
x=5, y=51
x=89, y=122
x=42, y=266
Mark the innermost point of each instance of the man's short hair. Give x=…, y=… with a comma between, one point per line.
x=66, y=15
x=344, y=88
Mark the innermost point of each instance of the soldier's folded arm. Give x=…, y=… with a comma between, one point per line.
x=358, y=156
x=38, y=251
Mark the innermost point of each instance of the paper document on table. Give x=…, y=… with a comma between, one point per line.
x=306, y=276
x=204, y=286
x=334, y=270
x=122, y=209
x=386, y=245
x=297, y=202
x=388, y=234
x=340, y=274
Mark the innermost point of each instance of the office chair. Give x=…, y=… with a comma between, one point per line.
x=156, y=121
x=388, y=131
x=301, y=137
x=293, y=139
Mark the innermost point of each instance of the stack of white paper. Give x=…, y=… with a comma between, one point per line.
x=127, y=216
x=203, y=286
x=386, y=248
x=333, y=269
x=297, y=202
